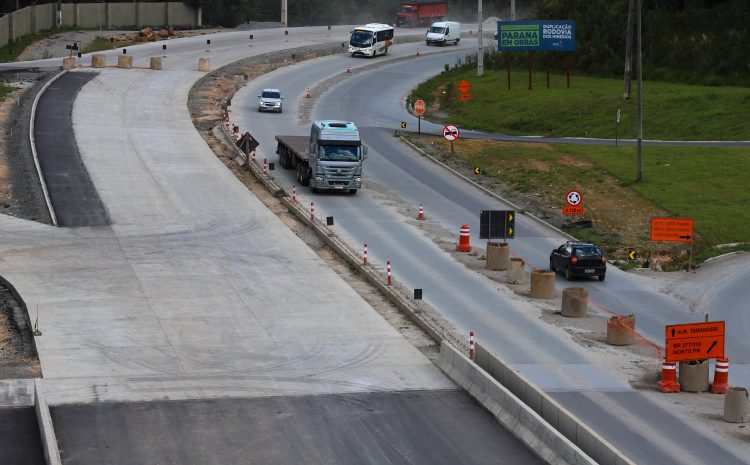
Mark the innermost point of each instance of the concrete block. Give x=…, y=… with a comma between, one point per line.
x=533, y=399
x=567, y=426
x=125, y=61
x=98, y=60
x=69, y=63
x=735, y=405
x=603, y=454
x=621, y=330
x=575, y=301
x=156, y=63
x=550, y=412
x=204, y=64
x=694, y=376
x=516, y=273
x=586, y=441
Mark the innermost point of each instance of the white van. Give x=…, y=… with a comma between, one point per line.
x=444, y=33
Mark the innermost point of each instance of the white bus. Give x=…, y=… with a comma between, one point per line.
x=370, y=40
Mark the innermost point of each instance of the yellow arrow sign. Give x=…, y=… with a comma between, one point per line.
x=477, y=170
x=403, y=124
x=510, y=231
x=632, y=255
x=510, y=217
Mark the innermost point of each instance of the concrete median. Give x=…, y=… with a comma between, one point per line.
x=46, y=429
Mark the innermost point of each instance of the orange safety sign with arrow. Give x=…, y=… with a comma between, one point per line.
x=694, y=341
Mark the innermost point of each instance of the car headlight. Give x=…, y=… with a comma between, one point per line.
x=319, y=178
x=357, y=179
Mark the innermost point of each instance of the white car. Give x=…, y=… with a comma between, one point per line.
x=270, y=100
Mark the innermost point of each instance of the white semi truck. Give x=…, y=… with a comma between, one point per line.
x=330, y=159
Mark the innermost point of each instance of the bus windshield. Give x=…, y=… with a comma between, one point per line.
x=361, y=39
x=338, y=153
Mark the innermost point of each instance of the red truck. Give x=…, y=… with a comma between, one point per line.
x=420, y=13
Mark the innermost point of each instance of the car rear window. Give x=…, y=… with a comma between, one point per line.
x=588, y=252
x=271, y=95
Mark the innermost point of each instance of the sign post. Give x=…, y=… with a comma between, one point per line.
x=694, y=341
x=617, y=127
x=451, y=133
x=419, y=108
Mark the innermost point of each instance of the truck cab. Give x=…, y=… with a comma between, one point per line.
x=335, y=156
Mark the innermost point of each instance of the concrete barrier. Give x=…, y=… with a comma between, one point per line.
x=515, y=273
x=621, y=330
x=98, y=60
x=526, y=424
x=125, y=61
x=204, y=64
x=694, y=376
x=69, y=63
x=46, y=429
x=542, y=284
x=575, y=302
x=735, y=405
x=498, y=256
x=156, y=63
x=558, y=417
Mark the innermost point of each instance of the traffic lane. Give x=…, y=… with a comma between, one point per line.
x=664, y=438
x=728, y=301
x=418, y=427
x=19, y=437
x=72, y=194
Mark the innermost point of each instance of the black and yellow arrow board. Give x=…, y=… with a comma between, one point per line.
x=497, y=224
x=632, y=255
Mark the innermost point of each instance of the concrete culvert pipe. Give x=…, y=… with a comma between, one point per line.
x=575, y=302
x=621, y=330
x=156, y=63
x=694, y=376
x=542, y=284
x=515, y=274
x=204, y=64
x=125, y=61
x=497, y=256
x=735, y=405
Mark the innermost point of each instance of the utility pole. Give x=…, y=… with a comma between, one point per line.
x=512, y=10
x=629, y=51
x=480, y=52
x=284, y=13
x=639, y=172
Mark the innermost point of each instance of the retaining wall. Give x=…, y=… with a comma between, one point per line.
x=33, y=19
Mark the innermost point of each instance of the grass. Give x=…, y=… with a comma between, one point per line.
x=706, y=184
x=101, y=44
x=4, y=90
x=11, y=50
x=587, y=108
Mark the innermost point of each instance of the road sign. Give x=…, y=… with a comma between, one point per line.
x=403, y=124
x=672, y=229
x=497, y=224
x=450, y=132
x=632, y=255
x=464, y=96
x=694, y=341
x=464, y=86
x=477, y=170
x=573, y=198
x=572, y=210
x=420, y=107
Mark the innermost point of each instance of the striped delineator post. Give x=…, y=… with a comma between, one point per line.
x=294, y=193
x=721, y=376
x=421, y=213
x=471, y=345
x=364, y=260
x=265, y=165
x=388, y=269
x=312, y=210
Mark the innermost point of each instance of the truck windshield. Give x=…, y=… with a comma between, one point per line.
x=437, y=30
x=361, y=39
x=338, y=153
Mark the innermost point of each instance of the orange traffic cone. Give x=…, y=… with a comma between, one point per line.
x=308, y=93
x=721, y=376
x=421, y=213
x=464, y=240
x=417, y=52
x=668, y=382
x=348, y=69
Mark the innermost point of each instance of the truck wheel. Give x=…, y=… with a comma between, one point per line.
x=353, y=191
x=299, y=174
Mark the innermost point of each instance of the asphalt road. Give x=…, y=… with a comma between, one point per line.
x=196, y=290
x=409, y=428
x=19, y=437
x=398, y=181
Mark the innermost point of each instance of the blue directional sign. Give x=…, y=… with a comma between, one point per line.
x=550, y=35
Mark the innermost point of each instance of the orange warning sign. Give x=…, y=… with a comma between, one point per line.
x=694, y=341
x=572, y=210
x=672, y=229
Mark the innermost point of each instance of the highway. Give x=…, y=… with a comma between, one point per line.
x=193, y=326
x=382, y=214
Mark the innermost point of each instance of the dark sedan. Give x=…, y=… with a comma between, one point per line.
x=577, y=259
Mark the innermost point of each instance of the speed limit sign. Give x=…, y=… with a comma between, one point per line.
x=574, y=198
